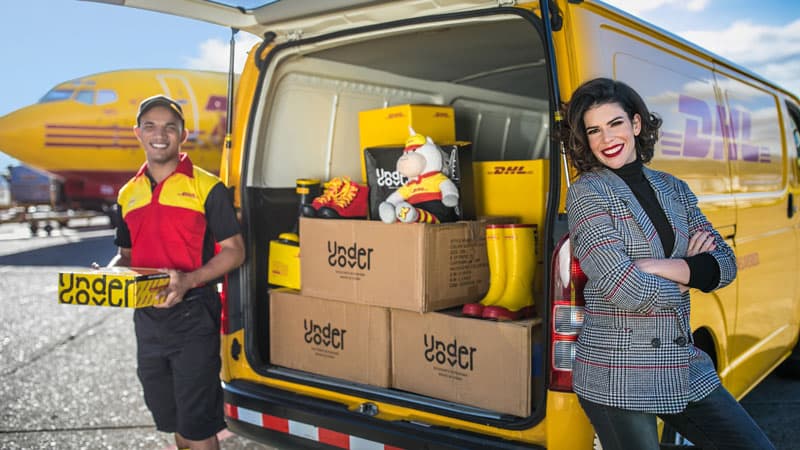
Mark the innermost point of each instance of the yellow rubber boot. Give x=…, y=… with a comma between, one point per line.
x=520, y=251
x=495, y=249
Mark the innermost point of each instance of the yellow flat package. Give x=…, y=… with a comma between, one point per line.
x=116, y=287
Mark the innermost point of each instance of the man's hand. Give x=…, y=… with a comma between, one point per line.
x=179, y=283
x=230, y=256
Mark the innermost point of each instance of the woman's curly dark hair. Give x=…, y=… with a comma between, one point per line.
x=602, y=91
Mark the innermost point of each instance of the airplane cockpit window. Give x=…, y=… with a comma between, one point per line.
x=57, y=95
x=86, y=97
x=105, y=96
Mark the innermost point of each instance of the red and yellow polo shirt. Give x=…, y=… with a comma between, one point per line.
x=176, y=223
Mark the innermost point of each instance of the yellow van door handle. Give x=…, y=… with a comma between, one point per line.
x=727, y=231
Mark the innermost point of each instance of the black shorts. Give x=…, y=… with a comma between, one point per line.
x=179, y=364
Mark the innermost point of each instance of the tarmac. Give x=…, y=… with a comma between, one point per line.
x=69, y=372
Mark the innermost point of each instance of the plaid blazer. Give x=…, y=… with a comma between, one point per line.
x=635, y=350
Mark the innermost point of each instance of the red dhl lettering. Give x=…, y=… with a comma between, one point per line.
x=509, y=170
x=217, y=103
x=396, y=115
x=747, y=261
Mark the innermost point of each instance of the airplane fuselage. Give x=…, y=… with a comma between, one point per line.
x=82, y=130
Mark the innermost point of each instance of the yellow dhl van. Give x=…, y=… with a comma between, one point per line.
x=504, y=67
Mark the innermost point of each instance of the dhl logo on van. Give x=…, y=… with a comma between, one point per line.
x=509, y=170
x=703, y=135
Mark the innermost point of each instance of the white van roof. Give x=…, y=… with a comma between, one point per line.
x=300, y=18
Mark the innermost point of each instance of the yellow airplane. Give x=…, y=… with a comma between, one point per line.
x=81, y=131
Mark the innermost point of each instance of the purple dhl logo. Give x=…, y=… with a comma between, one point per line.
x=703, y=134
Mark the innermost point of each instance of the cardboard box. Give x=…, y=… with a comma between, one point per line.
x=512, y=188
x=386, y=127
x=118, y=287
x=326, y=337
x=417, y=267
x=383, y=177
x=476, y=362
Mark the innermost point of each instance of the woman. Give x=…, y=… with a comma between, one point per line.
x=642, y=242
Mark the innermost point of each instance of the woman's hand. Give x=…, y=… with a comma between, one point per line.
x=701, y=242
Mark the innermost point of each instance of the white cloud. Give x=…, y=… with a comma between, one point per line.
x=772, y=51
x=215, y=55
x=751, y=43
x=638, y=7
x=769, y=50
x=784, y=74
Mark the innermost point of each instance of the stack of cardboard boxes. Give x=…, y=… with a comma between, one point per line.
x=379, y=305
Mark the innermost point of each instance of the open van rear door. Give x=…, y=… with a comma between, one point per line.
x=293, y=19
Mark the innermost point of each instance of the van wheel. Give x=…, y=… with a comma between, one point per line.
x=791, y=367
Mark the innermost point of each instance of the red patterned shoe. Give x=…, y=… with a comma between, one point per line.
x=332, y=188
x=351, y=201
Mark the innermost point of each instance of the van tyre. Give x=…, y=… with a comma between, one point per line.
x=791, y=367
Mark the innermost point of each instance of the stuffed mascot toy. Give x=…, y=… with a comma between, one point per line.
x=428, y=196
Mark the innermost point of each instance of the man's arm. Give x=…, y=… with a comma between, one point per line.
x=121, y=259
x=230, y=256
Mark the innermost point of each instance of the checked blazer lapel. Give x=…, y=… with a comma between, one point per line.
x=624, y=194
x=673, y=208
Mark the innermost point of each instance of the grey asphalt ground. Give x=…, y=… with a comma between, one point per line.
x=67, y=373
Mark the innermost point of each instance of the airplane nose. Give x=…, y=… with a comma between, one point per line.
x=8, y=135
x=21, y=136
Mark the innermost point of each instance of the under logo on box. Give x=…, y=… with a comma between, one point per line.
x=101, y=290
x=327, y=335
x=449, y=353
x=349, y=257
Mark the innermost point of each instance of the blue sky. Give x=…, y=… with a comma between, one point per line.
x=46, y=42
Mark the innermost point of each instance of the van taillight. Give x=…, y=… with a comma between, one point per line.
x=567, y=314
x=223, y=297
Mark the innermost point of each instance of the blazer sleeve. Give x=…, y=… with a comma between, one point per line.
x=722, y=253
x=600, y=249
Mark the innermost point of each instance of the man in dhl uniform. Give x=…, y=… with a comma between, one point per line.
x=172, y=215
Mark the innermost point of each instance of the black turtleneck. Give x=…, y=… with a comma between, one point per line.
x=703, y=268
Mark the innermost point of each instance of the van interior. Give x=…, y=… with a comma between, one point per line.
x=490, y=68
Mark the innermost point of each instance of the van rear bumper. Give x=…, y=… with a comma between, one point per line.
x=288, y=420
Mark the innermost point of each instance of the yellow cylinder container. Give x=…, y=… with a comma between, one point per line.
x=284, y=261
